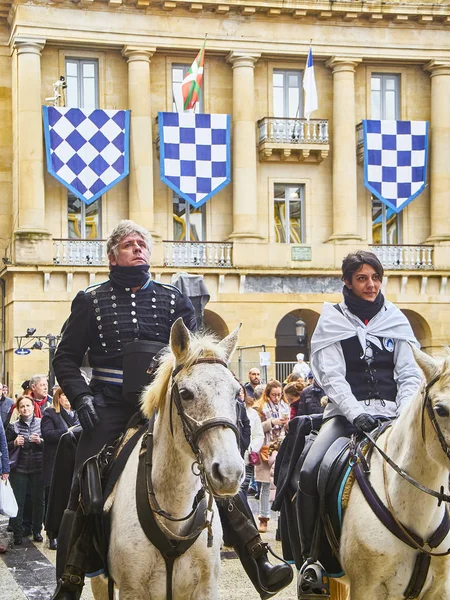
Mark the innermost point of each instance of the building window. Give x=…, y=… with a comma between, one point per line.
x=385, y=90
x=82, y=83
x=189, y=223
x=386, y=224
x=287, y=94
x=84, y=221
x=179, y=72
x=289, y=213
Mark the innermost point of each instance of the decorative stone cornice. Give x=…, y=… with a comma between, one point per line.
x=438, y=67
x=342, y=63
x=242, y=58
x=136, y=53
x=25, y=45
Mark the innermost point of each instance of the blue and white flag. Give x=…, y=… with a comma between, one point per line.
x=194, y=154
x=309, y=86
x=395, y=160
x=87, y=150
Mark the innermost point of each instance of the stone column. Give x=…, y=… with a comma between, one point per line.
x=439, y=150
x=244, y=181
x=345, y=206
x=140, y=180
x=32, y=240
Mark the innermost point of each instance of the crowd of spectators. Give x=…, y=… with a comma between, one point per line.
x=270, y=407
x=31, y=426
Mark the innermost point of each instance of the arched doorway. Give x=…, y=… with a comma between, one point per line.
x=420, y=327
x=287, y=344
x=216, y=324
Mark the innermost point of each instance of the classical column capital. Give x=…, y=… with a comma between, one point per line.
x=136, y=53
x=342, y=63
x=242, y=58
x=438, y=67
x=25, y=45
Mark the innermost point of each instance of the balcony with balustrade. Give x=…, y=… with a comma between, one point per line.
x=405, y=257
x=293, y=139
x=198, y=254
x=69, y=252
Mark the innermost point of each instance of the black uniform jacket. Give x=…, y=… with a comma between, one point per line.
x=105, y=318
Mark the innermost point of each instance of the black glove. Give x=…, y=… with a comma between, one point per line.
x=86, y=412
x=365, y=422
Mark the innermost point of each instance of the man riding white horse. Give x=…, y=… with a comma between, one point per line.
x=361, y=357
x=123, y=323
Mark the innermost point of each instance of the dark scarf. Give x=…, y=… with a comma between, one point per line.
x=129, y=277
x=363, y=309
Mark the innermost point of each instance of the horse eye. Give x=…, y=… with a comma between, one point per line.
x=186, y=394
x=441, y=410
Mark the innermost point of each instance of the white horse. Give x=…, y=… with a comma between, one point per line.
x=207, y=390
x=377, y=564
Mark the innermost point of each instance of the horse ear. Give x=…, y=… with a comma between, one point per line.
x=230, y=342
x=179, y=340
x=428, y=364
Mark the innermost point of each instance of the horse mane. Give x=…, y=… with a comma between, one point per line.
x=201, y=345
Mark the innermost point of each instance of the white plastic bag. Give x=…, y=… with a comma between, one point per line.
x=8, y=503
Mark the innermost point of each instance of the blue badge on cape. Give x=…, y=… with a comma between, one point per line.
x=388, y=343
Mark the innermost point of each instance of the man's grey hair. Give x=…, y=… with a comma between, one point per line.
x=37, y=378
x=122, y=229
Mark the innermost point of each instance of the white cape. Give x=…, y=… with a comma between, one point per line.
x=333, y=327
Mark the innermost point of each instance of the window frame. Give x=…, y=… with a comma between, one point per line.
x=84, y=207
x=384, y=237
x=81, y=61
x=302, y=199
x=189, y=207
x=286, y=88
x=383, y=76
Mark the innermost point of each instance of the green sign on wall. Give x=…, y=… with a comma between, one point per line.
x=301, y=253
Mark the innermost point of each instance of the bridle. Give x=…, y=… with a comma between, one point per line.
x=432, y=415
x=172, y=545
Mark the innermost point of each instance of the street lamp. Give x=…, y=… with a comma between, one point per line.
x=300, y=331
x=39, y=342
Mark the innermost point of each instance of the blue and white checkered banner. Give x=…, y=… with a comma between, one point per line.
x=194, y=154
x=395, y=160
x=87, y=150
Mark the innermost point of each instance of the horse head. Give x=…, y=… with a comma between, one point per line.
x=201, y=397
x=436, y=404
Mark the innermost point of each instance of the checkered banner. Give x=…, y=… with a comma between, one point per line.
x=395, y=160
x=87, y=150
x=194, y=154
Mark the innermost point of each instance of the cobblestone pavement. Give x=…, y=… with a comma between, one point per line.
x=27, y=572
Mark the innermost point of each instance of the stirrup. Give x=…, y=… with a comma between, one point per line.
x=312, y=583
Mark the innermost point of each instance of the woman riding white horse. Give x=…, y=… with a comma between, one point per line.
x=361, y=357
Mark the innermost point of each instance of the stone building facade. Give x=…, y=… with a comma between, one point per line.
x=270, y=244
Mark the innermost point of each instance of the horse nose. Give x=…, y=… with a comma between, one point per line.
x=226, y=477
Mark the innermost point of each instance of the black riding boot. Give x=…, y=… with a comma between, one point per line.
x=240, y=530
x=311, y=581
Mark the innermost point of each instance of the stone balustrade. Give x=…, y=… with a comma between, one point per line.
x=198, y=254
x=404, y=256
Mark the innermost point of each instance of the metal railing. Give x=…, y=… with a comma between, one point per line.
x=293, y=131
x=283, y=370
x=79, y=252
x=198, y=254
x=404, y=256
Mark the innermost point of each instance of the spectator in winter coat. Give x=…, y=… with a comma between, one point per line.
x=292, y=393
x=310, y=400
x=5, y=407
x=24, y=436
x=4, y=457
x=56, y=420
x=256, y=439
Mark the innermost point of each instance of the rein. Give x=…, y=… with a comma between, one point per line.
x=172, y=545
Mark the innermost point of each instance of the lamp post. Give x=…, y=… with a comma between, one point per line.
x=40, y=342
x=300, y=331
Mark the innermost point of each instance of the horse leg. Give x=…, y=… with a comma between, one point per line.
x=99, y=587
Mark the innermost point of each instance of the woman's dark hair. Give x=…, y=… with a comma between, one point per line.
x=355, y=260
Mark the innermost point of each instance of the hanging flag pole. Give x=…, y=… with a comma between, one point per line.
x=192, y=83
x=309, y=86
